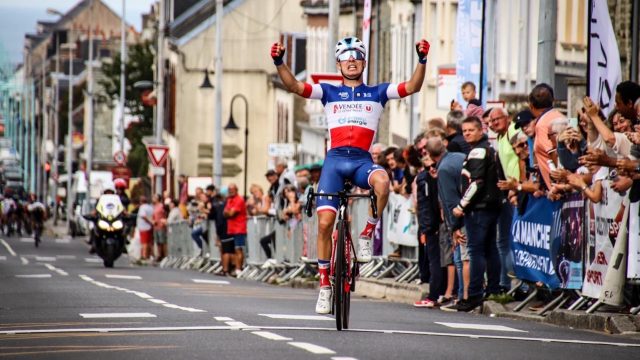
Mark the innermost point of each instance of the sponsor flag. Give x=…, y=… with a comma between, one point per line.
x=469, y=33
x=604, y=58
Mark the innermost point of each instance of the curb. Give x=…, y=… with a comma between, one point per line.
x=603, y=322
x=391, y=291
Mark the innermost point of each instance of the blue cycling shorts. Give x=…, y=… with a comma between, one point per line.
x=340, y=164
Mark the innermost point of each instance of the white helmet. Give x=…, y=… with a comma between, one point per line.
x=350, y=43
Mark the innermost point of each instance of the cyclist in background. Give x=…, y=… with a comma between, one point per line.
x=37, y=214
x=353, y=111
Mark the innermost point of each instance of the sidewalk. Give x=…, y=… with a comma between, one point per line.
x=61, y=230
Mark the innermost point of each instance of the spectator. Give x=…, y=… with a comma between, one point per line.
x=480, y=207
x=144, y=223
x=291, y=213
x=159, y=227
x=428, y=227
x=541, y=106
x=198, y=219
x=254, y=203
x=509, y=169
x=268, y=242
x=518, y=188
x=183, y=196
x=436, y=123
x=315, y=172
x=376, y=150
x=455, y=140
x=449, y=167
x=235, y=211
x=524, y=120
x=224, y=241
x=474, y=107
x=175, y=215
x=628, y=100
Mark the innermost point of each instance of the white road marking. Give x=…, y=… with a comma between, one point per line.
x=129, y=277
x=116, y=315
x=271, y=336
x=237, y=324
x=3, y=258
x=139, y=294
x=24, y=260
x=34, y=276
x=45, y=258
x=343, y=358
x=216, y=282
x=223, y=318
x=9, y=249
x=314, y=349
x=66, y=257
x=63, y=241
x=298, y=317
x=27, y=240
x=479, y=327
x=93, y=260
x=109, y=330
x=53, y=268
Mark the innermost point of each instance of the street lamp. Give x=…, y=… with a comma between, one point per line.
x=231, y=125
x=71, y=47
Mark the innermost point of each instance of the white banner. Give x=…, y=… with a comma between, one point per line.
x=611, y=292
x=366, y=34
x=604, y=223
x=402, y=224
x=633, y=260
x=604, y=58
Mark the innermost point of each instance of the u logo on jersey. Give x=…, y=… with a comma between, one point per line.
x=368, y=108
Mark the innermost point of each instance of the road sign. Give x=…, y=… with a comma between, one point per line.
x=120, y=157
x=157, y=154
x=157, y=171
x=334, y=79
x=281, y=149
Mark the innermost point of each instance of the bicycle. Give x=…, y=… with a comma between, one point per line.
x=343, y=271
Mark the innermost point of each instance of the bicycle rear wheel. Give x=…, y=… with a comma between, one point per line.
x=340, y=277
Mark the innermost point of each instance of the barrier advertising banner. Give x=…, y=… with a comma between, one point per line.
x=633, y=260
x=604, y=223
x=402, y=225
x=569, y=260
x=534, y=234
x=612, y=288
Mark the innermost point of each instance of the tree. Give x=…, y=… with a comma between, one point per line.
x=139, y=66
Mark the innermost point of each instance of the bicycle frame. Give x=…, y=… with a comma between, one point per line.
x=343, y=271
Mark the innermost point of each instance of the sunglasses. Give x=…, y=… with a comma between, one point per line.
x=521, y=145
x=345, y=56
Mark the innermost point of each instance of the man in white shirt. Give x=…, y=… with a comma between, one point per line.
x=145, y=227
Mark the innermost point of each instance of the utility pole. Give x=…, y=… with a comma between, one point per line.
x=123, y=59
x=217, y=128
x=547, y=35
x=33, y=139
x=89, y=152
x=332, y=34
x=159, y=124
x=56, y=132
x=69, y=159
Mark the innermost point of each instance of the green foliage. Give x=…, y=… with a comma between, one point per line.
x=139, y=66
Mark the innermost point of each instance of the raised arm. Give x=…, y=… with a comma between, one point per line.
x=415, y=83
x=289, y=80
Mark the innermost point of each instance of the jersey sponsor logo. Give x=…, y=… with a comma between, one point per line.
x=348, y=107
x=343, y=95
x=367, y=95
x=353, y=121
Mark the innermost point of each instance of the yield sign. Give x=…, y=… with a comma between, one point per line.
x=157, y=154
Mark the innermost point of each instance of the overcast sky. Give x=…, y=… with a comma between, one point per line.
x=18, y=17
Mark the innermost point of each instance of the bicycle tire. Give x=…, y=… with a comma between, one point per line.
x=339, y=276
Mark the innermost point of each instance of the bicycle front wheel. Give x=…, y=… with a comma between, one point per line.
x=340, y=272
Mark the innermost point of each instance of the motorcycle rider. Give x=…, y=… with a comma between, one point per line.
x=94, y=212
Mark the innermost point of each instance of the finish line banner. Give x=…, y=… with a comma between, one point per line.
x=569, y=260
x=535, y=234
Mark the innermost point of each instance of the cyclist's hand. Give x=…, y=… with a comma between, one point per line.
x=422, y=48
x=277, y=52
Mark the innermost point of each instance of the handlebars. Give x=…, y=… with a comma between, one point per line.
x=343, y=196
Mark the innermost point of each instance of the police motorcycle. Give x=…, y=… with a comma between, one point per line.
x=108, y=222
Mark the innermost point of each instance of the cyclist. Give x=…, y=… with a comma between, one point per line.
x=353, y=111
x=38, y=214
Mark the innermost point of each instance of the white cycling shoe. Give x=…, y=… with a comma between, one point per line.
x=323, y=306
x=364, y=250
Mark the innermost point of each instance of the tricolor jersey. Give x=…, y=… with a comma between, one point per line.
x=353, y=113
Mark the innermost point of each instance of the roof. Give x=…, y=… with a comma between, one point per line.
x=198, y=18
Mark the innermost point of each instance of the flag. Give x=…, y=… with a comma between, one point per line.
x=604, y=58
